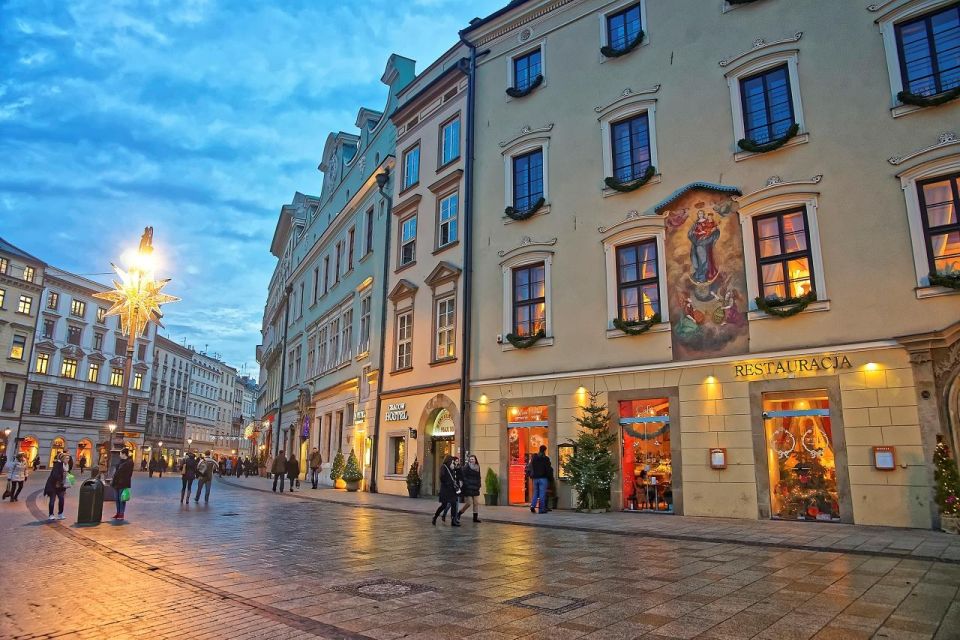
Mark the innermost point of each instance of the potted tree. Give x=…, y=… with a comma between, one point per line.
x=352, y=475
x=413, y=480
x=492, y=495
x=947, y=482
x=336, y=471
x=591, y=467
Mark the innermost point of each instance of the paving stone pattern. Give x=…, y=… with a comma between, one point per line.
x=300, y=567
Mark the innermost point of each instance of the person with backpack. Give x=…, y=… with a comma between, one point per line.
x=57, y=484
x=122, y=481
x=188, y=473
x=449, y=491
x=17, y=475
x=279, y=470
x=315, y=462
x=205, y=470
x=541, y=471
x=293, y=471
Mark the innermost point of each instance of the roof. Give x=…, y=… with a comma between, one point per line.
x=476, y=23
x=460, y=65
x=6, y=247
x=706, y=186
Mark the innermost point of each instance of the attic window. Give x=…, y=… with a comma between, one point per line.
x=450, y=94
x=413, y=122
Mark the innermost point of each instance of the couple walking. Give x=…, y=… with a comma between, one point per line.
x=200, y=470
x=284, y=467
x=457, y=481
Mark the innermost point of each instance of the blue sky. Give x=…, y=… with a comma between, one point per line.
x=199, y=117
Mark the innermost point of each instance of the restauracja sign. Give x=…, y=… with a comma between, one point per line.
x=396, y=412
x=796, y=365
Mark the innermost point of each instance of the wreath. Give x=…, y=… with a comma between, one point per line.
x=631, y=185
x=513, y=213
x=522, y=342
x=513, y=92
x=949, y=280
x=610, y=52
x=785, y=307
x=636, y=327
x=928, y=101
x=755, y=147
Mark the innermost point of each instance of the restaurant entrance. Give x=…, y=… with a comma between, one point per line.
x=527, y=431
x=647, y=462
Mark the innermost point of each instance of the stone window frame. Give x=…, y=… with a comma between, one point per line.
x=521, y=146
x=398, y=313
x=617, y=7
x=506, y=269
x=642, y=229
x=623, y=111
x=527, y=49
x=438, y=299
x=392, y=436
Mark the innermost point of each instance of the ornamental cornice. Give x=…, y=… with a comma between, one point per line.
x=521, y=21
x=625, y=96
x=760, y=44
x=880, y=6
x=47, y=346
x=945, y=139
x=73, y=351
x=633, y=217
x=526, y=132
x=776, y=183
x=525, y=242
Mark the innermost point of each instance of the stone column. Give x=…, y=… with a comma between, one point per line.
x=929, y=412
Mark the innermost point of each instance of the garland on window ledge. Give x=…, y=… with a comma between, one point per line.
x=522, y=342
x=740, y=1
x=513, y=92
x=631, y=185
x=928, y=101
x=636, y=327
x=510, y=212
x=785, y=307
x=949, y=280
x=755, y=147
x=610, y=52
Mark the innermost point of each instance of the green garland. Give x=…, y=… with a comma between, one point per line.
x=631, y=185
x=510, y=212
x=928, y=101
x=754, y=147
x=775, y=306
x=635, y=328
x=522, y=342
x=949, y=280
x=513, y=92
x=740, y=1
x=610, y=52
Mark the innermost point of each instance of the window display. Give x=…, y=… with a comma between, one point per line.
x=647, y=462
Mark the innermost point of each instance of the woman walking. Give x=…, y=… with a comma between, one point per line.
x=17, y=476
x=449, y=491
x=293, y=471
x=56, y=486
x=188, y=473
x=471, y=487
x=122, y=477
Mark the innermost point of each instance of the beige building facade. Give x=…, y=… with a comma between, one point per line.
x=656, y=186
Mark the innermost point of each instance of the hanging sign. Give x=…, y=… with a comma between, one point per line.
x=396, y=412
x=305, y=432
x=806, y=364
x=360, y=415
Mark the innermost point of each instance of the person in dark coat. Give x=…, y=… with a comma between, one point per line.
x=541, y=470
x=122, y=478
x=152, y=466
x=470, y=475
x=188, y=472
x=56, y=486
x=293, y=471
x=82, y=462
x=449, y=491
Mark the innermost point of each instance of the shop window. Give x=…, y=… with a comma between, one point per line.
x=527, y=431
x=397, y=450
x=801, y=461
x=647, y=462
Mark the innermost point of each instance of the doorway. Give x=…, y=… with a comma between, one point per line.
x=56, y=448
x=527, y=431
x=440, y=448
x=647, y=464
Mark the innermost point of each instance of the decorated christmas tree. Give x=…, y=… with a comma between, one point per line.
x=591, y=467
x=352, y=472
x=947, y=481
x=336, y=469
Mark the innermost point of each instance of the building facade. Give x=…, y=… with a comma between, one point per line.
x=420, y=395
x=21, y=295
x=209, y=420
x=690, y=212
x=169, y=392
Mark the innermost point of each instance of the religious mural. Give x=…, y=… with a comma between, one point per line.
x=705, y=274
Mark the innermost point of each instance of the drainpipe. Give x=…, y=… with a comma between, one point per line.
x=283, y=363
x=383, y=179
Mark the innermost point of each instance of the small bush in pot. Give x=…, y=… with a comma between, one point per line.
x=413, y=480
x=492, y=482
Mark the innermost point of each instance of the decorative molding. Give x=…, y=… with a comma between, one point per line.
x=527, y=241
x=403, y=289
x=443, y=272
x=776, y=182
x=626, y=94
x=758, y=45
x=525, y=131
x=632, y=216
x=945, y=139
x=880, y=6
x=520, y=21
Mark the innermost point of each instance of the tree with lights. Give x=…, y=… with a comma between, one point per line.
x=946, y=481
x=591, y=468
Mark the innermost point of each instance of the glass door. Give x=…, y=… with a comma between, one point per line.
x=647, y=464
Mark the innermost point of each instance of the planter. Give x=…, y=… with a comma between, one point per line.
x=950, y=524
x=352, y=485
x=413, y=490
x=339, y=483
x=490, y=499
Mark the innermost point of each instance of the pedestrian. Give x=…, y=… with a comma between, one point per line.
x=153, y=466
x=449, y=491
x=205, y=470
x=470, y=475
x=239, y=467
x=279, y=470
x=82, y=462
x=315, y=462
x=17, y=476
x=56, y=487
x=121, y=481
x=188, y=472
x=541, y=471
x=36, y=462
x=293, y=471
x=161, y=466
x=3, y=461
x=143, y=464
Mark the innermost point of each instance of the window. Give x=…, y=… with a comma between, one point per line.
x=623, y=27
x=404, y=340
x=78, y=308
x=28, y=273
x=450, y=141
x=929, y=52
x=113, y=409
x=64, y=405
x=630, y=142
x=447, y=220
x=335, y=342
x=638, y=286
x=48, y=327
x=9, y=396
x=88, y=408
x=351, y=237
x=529, y=299
x=368, y=229
x=101, y=315
x=767, y=105
x=784, y=265
x=119, y=345
x=134, y=413
x=68, y=368
x=526, y=69
x=346, y=339
x=411, y=167
x=53, y=300
x=339, y=254
x=527, y=179
x=73, y=335
x=408, y=240
x=316, y=283
x=397, y=451
x=3, y=296
x=300, y=313
x=940, y=207
x=18, y=346
x=93, y=373
x=116, y=377
x=4, y=265
x=98, y=341
x=446, y=311
x=26, y=302
x=138, y=381
x=43, y=362
x=365, y=306
x=326, y=274
x=36, y=401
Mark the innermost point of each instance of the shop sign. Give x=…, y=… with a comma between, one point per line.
x=305, y=432
x=360, y=415
x=534, y=414
x=807, y=364
x=396, y=412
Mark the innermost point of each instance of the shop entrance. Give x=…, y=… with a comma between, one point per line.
x=647, y=463
x=527, y=431
x=440, y=448
x=56, y=448
x=800, y=456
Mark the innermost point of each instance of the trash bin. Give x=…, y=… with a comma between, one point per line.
x=91, y=502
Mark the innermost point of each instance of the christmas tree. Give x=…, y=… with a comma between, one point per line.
x=352, y=472
x=336, y=469
x=947, y=481
x=591, y=468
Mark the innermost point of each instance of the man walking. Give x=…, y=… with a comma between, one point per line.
x=540, y=471
x=315, y=462
x=279, y=469
x=205, y=470
x=188, y=470
x=82, y=462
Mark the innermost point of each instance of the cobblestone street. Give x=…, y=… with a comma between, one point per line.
x=256, y=565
